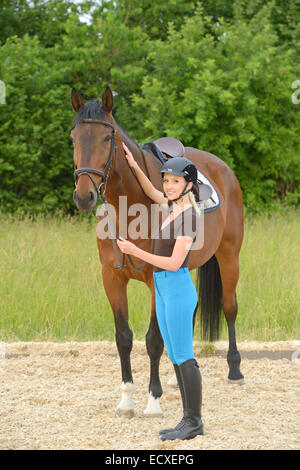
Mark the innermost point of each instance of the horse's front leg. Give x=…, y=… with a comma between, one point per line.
x=115, y=288
x=155, y=347
x=124, y=345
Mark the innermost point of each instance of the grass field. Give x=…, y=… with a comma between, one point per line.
x=51, y=287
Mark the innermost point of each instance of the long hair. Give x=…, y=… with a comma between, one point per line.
x=194, y=197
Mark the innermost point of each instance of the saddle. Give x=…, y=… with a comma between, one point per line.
x=165, y=148
x=168, y=147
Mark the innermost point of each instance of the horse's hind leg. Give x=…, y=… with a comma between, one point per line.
x=229, y=270
x=233, y=355
x=155, y=347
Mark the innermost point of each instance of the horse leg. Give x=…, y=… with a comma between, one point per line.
x=229, y=270
x=155, y=347
x=124, y=345
x=115, y=289
x=233, y=355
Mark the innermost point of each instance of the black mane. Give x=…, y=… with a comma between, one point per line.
x=90, y=110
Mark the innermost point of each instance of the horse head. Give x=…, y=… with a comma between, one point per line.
x=94, y=140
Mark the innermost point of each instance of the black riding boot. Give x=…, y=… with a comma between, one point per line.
x=192, y=424
x=180, y=384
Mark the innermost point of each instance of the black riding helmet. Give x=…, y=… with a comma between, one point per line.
x=181, y=166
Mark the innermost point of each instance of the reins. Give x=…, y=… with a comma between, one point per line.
x=105, y=176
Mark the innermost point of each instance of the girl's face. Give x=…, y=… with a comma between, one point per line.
x=173, y=185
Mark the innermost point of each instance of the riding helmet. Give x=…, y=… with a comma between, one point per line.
x=181, y=166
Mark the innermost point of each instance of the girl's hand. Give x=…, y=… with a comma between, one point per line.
x=126, y=246
x=131, y=161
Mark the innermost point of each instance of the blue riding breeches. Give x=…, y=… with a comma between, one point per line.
x=176, y=299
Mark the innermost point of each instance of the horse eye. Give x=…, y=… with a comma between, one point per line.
x=107, y=138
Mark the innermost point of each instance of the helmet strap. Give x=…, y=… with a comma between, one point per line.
x=184, y=192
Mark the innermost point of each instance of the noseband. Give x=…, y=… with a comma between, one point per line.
x=105, y=173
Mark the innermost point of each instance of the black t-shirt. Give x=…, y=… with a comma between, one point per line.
x=184, y=224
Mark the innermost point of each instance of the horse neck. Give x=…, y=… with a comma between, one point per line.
x=123, y=182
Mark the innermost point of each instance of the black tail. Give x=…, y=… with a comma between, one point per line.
x=209, y=286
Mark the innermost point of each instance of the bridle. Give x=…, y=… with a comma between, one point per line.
x=105, y=173
x=101, y=192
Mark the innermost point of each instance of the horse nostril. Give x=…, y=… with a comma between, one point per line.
x=91, y=194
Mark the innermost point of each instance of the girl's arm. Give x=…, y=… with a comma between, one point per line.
x=148, y=188
x=170, y=263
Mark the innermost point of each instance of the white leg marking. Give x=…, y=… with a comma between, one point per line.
x=153, y=409
x=173, y=381
x=125, y=407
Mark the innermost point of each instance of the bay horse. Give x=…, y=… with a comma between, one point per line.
x=101, y=168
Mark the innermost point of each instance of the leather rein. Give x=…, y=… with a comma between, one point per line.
x=101, y=192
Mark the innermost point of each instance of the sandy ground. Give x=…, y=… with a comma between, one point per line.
x=63, y=396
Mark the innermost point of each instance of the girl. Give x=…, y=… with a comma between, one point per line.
x=175, y=293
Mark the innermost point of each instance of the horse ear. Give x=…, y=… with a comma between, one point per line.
x=76, y=100
x=107, y=100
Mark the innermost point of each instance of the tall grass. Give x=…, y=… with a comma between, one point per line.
x=51, y=284
x=269, y=285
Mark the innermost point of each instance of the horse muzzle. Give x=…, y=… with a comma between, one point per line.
x=85, y=202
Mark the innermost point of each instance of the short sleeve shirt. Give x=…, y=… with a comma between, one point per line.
x=184, y=224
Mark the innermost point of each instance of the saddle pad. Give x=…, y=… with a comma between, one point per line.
x=214, y=201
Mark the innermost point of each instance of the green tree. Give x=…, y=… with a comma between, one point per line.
x=152, y=16
x=35, y=153
x=41, y=18
x=34, y=169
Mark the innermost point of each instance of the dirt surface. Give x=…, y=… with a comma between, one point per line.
x=63, y=396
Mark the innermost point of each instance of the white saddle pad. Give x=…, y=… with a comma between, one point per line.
x=214, y=201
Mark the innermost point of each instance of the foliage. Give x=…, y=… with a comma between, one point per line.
x=34, y=164
x=44, y=19
x=36, y=155
x=217, y=75
x=152, y=16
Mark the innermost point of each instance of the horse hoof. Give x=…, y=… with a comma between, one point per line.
x=153, y=409
x=124, y=413
x=237, y=382
x=153, y=415
x=125, y=409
